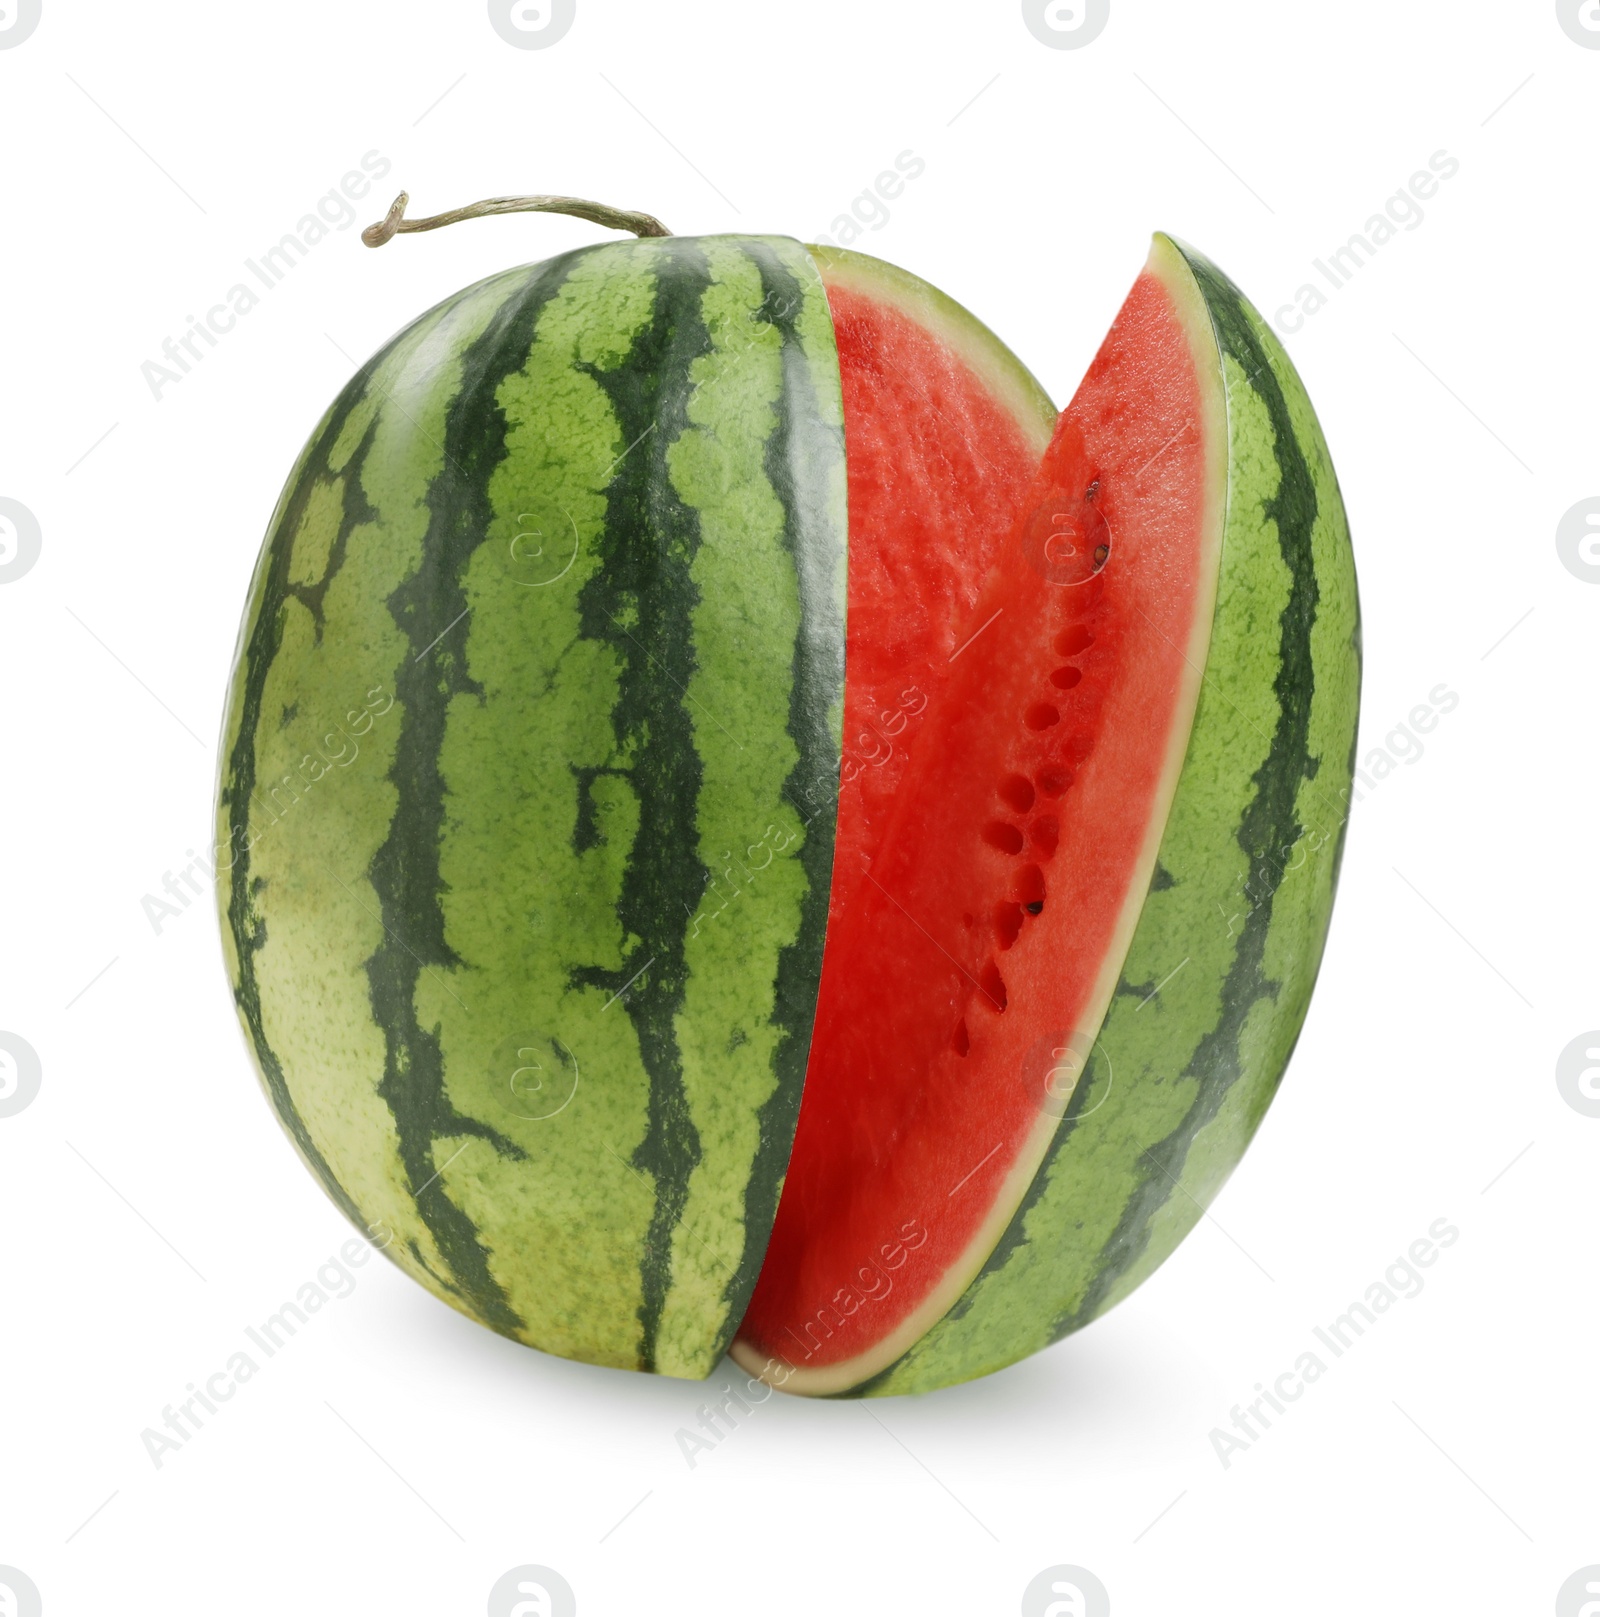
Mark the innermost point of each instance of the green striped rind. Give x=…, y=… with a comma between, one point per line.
x=523, y=916
x=1233, y=928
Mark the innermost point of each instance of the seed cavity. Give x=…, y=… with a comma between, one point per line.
x=1028, y=887
x=993, y=986
x=1007, y=923
x=1053, y=782
x=1066, y=677
x=1041, y=715
x=1003, y=835
x=959, y=1042
x=1071, y=641
x=1016, y=792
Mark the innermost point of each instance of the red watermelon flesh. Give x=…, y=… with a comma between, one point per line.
x=943, y=440
x=995, y=840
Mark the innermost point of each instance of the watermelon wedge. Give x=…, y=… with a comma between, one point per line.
x=739, y=826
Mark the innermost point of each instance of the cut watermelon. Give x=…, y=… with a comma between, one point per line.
x=986, y=891
x=976, y=835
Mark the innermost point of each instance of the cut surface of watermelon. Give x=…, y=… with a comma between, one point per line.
x=1029, y=616
x=945, y=432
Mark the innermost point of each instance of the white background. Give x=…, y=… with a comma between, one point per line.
x=397, y=1457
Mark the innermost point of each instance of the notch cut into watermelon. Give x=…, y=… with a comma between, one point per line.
x=1025, y=650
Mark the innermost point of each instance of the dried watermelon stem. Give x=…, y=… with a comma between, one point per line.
x=395, y=223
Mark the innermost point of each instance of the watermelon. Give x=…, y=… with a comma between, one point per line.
x=738, y=828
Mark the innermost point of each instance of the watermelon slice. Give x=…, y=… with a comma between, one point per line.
x=992, y=868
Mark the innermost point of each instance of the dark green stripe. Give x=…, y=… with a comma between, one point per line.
x=811, y=537
x=430, y=609
x=640, y=602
